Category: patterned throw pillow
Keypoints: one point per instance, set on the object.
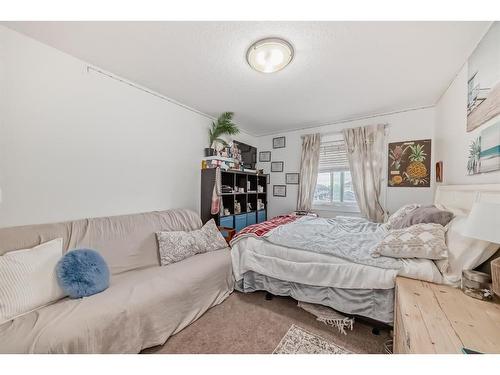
(178, 245)
(422, 215)
(397, 216)
(418, 241)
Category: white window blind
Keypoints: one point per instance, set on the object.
(333, 156)
(334, 190)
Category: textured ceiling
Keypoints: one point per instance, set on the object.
(341, 70)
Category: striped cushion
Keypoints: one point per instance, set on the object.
(28, 279)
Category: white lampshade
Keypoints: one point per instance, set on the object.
(483, 222)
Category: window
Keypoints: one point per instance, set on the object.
(334, 188)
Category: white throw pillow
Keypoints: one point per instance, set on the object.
(426, 241)
(175, 246)
(397, 216)
(464, 253)
(28, 279)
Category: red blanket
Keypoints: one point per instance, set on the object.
(260, 229)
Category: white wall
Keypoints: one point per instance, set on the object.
(76, 144)
(410, 125)
(452, 139)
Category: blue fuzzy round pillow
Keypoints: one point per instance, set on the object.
(82, 273)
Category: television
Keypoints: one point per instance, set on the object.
(248, 154)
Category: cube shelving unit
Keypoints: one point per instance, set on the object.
(237, 180)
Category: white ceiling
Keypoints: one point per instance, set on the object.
(341, 70)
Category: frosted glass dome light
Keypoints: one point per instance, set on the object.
(269, 55)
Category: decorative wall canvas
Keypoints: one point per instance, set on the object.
(483, 97)
(409, 164)
(484, 151)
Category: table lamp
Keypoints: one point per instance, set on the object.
(483, 223)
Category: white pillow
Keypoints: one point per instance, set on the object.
(425, 241)
(28, 279)
(464, 253)
(397, 216)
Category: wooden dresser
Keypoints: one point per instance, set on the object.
(432, 318)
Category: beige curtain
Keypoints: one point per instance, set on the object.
(365, 152)
(308, 170)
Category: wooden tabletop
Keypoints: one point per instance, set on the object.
(442, 319)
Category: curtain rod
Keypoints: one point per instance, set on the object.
(386, 126)
(142, 88)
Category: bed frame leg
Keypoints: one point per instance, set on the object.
(269, 296)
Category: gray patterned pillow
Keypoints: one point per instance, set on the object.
(422, 215)
(397, 216)
(418, 241)
(178, 245)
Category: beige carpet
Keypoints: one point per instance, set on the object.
(247, 323)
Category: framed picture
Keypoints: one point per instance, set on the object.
(277, 166)
(439, 171)
(483, 83)
(484, 151)
(268, 178)
(409, 164)
(279, 142)
(292, 178)
(279, 190)
(265, 156)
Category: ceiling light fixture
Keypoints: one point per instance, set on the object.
(270, 55)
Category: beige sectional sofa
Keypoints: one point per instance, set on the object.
(145, 303)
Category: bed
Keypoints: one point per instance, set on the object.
(318, 260)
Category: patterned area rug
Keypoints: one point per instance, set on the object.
(299, 341)
(328, 316)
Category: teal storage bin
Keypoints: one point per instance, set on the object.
(227, 221)
(240, 222)
(251, 218)
(261, 216)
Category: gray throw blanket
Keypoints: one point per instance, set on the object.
(348, 238)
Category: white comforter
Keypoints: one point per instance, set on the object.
(319, 269)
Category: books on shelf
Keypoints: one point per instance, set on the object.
(226, 164)
(226, 189)
(208, 164)
(221, 158)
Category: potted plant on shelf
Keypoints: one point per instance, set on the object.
(223, 126)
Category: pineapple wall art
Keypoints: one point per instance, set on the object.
(409, 164)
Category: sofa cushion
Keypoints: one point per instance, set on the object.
(175, 246)
(140, 309)
(82, 273)
(28, 279)
(126, 242)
